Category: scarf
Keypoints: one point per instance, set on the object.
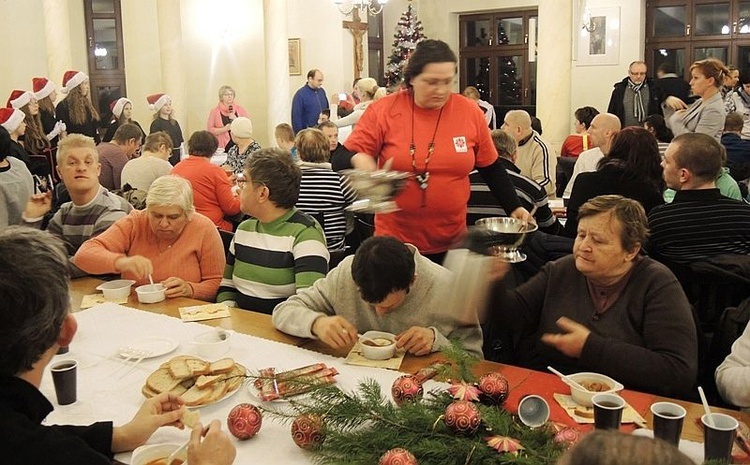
(225, 109)
(638, 111)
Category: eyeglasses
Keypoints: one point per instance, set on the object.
(242, 182)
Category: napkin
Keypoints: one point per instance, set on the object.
(90, 300)
(355, 357)
(204, 312)
(629, 415)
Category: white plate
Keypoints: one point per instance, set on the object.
(154, 346)
(224, 397)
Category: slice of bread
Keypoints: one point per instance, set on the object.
(191, 417)
(179, 368)
(195, 396)
(161, 381)
(236, 377)
(205, 381)
(179, 390)
(148, 392)
(225, 365)
(198, 367)
(219, 389)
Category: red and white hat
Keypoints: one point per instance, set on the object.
(117, 105)
(72, 79)
(19, 98)
(42, 87)
(156, 101)
(10, 118)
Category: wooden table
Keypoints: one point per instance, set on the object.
(522, 381)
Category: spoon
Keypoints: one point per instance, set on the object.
(177, 452)
(706, 408)
(567, 379)
(151, 280)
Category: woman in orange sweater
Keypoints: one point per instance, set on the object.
(168, 240)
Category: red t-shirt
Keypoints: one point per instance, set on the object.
(575, 144)
(434, 218)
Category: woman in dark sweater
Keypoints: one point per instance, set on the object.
(161, 104)
(631, 169)
(77, 111)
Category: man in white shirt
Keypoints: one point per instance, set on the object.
(603, 128)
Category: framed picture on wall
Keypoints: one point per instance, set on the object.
(295, 57)
(599, 40)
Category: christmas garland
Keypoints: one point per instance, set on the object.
(462, 425)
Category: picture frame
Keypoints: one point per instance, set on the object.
(599, 36)
(295, 57)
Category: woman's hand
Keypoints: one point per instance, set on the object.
(571, 341)
(210, 446)
(138, 265)
(177, 287)
(416, 340)
(675, 103)
(164, 409)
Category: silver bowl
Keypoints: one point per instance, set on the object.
(504, 235)
(376, 189)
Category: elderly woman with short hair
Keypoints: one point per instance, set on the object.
(323, 193)
(168, 241)
(606, 308)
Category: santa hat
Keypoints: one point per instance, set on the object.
(42, 87)
(156, 101)
(72, 79)
(10, 118)
(117, 105)
(19, 98)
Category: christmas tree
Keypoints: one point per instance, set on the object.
(510, 83)
(409, 32)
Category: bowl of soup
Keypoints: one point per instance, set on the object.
(592, 383)
(156, 454)
(378, 345)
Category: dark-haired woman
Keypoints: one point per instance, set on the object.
(438, 136)
(579, 142)
(632, 168)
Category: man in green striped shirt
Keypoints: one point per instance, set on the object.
(279, 249)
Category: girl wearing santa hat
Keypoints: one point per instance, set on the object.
(122, 112)
(13, 121)
(77, 111)
(161, 105)
(45, 92)
(34, 140)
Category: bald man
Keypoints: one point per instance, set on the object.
(603, 128)
(536, 157)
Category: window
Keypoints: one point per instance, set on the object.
(375, 48)
(680, 32)
(105, 54)
(495, 58)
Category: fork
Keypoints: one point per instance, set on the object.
(141, 354)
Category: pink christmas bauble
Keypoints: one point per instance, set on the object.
(308, 431)
(406, 388)
(398, 456)
(568, 436)
(495, 388)
(462, 416)
(244, 421)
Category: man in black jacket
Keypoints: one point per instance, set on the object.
(635, 97)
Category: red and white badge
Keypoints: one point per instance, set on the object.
(460, 144)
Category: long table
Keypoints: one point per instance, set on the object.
(522, 381)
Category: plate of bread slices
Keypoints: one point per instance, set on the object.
(198, 382)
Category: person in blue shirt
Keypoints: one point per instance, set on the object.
(309, 102)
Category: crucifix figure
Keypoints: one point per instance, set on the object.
(358, 30)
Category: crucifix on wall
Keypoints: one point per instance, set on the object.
(358, 30)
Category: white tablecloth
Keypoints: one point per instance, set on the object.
(102, 395)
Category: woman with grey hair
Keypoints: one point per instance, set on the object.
(221, 116)
(168, 241)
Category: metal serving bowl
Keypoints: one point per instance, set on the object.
(376, 189)
(504, 235)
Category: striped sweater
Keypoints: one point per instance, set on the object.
(324, 194)
(75, 224)
(268, 262)
(699, 224)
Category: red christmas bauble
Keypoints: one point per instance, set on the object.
(495, 388)
(462, 416)
(244, 421)
(406, 388)
(568, 436)
(398, 456)
(308, 431)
